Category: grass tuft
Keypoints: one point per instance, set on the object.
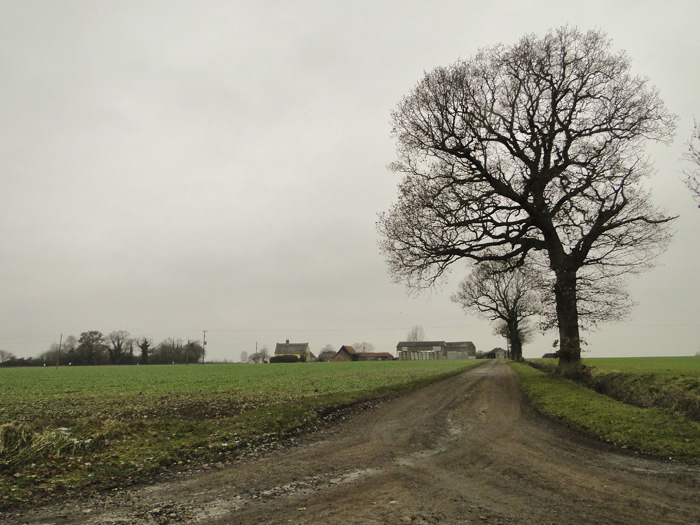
(20, 444)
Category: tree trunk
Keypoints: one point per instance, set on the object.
(516, 344)
(567, 317)
(516, 349)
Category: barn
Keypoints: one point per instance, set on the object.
(428, 350)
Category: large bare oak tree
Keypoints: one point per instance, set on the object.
(535, 147)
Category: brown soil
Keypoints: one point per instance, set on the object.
(464, 450)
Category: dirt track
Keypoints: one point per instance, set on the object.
(465, 450)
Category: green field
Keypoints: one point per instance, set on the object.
(659, 366)
(76, 427)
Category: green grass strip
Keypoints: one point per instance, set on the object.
(652, 431)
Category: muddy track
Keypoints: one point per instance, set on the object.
(464, 450)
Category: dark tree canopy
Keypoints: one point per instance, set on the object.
(525, 149)
(91, 349)
(118, 343)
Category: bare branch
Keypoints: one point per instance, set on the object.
(692, 155)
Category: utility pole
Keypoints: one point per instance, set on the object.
(204, 344)
(58, 354)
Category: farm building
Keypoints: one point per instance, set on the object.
(292, 353)
(427, 350)
(348, 353)
(496, 353)
(375, 356)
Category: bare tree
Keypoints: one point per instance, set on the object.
(692, 155)
(416, 334)
(327, 352)
(6, 356)
(61, 353)
(510, 296)
(524, 335)
(535, 147)
(261, 355)
(118, 343)
(244, 356)
(169, 350)
(68, 350)
(363, 347)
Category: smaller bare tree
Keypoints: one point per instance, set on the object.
(416, 334)
(260, 356)
(498, 293)
(363, 347)
(524, 334)
(6, 356)
(327, 352)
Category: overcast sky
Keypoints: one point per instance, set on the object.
(173, 167)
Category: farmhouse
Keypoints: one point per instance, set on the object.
(427, 350)
(292, 353)
(348, 353)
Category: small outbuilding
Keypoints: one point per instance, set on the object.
(496, 353)
(348, 353)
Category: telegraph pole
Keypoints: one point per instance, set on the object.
(58, 354)
(204, 344)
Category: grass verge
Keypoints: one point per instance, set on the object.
(671, 383)
(653, 431)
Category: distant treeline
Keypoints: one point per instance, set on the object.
(115, 348)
